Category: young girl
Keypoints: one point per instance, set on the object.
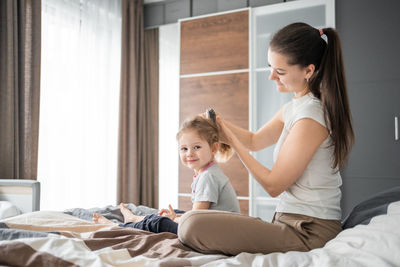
(199, 148)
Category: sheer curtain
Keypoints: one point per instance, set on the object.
(80, 85)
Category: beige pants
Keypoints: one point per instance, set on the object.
(210, 231)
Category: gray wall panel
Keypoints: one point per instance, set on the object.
(153, 15)
(375, 153)
(370, 34)
(256, 3)
(225, 5)
(175, 10)
(370, 50)
(202, 7)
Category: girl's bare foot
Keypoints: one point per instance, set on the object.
(97, 218)
(128, 215)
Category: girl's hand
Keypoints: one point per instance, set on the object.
(170, 213)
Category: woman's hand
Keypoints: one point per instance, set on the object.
(170, 213)
(226, 135)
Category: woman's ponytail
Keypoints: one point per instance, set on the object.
(334, 98)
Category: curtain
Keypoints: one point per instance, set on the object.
(138, 131)
(78, 138)
(20, 37)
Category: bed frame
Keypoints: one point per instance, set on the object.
(25, 194)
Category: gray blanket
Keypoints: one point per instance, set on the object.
(112, 213)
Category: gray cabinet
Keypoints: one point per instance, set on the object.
(371, 56)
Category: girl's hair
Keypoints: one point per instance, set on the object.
(304, 45)
(209, 131)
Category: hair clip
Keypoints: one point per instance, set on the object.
(210, 114)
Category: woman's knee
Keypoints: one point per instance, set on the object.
(190, 227)
(203, 229)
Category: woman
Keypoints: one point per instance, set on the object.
(313, 136)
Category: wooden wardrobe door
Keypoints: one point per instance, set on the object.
(208, 45)
(216, 43)
(228, 95)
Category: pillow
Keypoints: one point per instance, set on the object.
(7, 209)
(375, 205)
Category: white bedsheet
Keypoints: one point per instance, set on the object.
(374, 245)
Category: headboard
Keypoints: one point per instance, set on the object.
(25, 194)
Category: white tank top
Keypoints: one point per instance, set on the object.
(317, 192)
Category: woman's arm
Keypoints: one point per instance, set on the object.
(296, 152)
(264, 137)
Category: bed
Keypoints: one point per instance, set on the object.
(18, 196)
(52, 238)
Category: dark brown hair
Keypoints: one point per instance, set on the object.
(304, 45)
(209, 131)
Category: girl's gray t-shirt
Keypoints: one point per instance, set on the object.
(212, 185)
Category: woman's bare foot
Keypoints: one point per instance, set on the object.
(128, 215)
(97, 218)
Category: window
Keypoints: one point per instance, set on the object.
(80, 85)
